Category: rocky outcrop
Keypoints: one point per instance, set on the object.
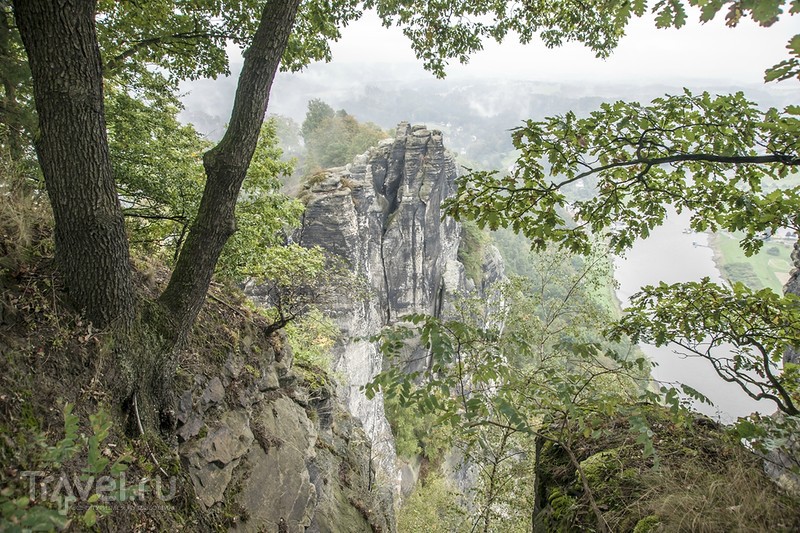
(383, 215)
(261, 453)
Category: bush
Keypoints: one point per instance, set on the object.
(312, 337)
(471, 250)
(742, 272)
(20, 513)
(432, 508)
(416, 433)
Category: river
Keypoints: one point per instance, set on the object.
(672, 254)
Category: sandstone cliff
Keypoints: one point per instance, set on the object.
(264, 452)
(382, 214)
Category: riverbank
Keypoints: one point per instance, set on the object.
(716, 252)
(674, 254)
(769, 268)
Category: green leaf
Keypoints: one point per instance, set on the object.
(90, 517)
(794, 45)
(766, 12)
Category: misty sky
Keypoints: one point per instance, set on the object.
(646, 54)
(702, 57)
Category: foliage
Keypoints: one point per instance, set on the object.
(17, 515)
(289, 135)
(16, 114)
(742, 332)
(311, 337)
(558, 301)
(295, 280)
(416, 433)
(318, 112)
(494, 409)
(157, 163)
(544, 372)
(20, 513)
(763, 12)
(23, 514)
(699, 153)
(432, 508)
(334, 138)
(188, 40)
(515, 249)
(471, 250)
(720, 157)
(160, 178)
(264, 216)
(456, 29)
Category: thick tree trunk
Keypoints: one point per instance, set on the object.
(91, 246)
(226, 167)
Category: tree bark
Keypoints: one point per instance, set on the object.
(91, 245)
(226, 167)
(540, 488)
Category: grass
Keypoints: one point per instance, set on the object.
(768, 268)
(704, 480)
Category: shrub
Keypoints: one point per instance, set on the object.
(471, 250)
(432, 508)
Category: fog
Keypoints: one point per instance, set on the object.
(648, 62)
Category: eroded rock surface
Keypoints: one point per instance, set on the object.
(383, 214)
(259, 452)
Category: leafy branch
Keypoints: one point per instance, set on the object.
(708, 321)
(712, 155)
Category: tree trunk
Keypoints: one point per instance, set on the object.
(540, 488)
(91, 246)
(226, 167)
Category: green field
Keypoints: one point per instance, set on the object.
(769, 268)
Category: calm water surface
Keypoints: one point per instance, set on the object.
(672, 254)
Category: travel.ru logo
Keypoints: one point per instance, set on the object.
(83, 490)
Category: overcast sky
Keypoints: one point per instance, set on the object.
(646, 54)
(702, 57)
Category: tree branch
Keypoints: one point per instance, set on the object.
(117, 61)
(679, 158)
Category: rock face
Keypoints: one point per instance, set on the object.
(258, 451)
(264, 451)
(383, 215)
